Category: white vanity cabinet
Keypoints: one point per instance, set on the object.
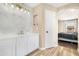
(7, 47)
(33, 43)
(30, 44)
(26, 44)
(21, 46)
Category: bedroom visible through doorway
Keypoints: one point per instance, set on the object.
(68, 33)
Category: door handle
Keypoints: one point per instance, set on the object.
(46, 31)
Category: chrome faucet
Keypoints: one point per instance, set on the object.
(21, 32)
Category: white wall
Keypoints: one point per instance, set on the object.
(63, 25)
(66, 14)
(13, 20)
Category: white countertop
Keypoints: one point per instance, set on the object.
(5, 36)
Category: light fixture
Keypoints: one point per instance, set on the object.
(21, 9)
(17, 8)
(12, 5)
(28, 13)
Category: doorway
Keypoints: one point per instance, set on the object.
(68, 33)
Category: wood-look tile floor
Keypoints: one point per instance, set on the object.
(57, 51)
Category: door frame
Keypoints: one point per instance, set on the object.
(78, 34)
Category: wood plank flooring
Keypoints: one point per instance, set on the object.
(57, 51)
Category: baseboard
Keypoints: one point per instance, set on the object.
(78, 49)
(47, 48)
(42, 48)
(32, 52)
(56, 45)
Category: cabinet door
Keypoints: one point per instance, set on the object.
(7, 47)
(36, 41)
(31, 44)
(26, 44)
(22, 47)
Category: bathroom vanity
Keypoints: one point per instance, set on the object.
(18, 45)
(15, 21)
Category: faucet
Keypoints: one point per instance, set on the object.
(21, 32)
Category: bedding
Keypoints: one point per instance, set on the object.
(70, 36)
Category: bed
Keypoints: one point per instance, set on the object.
(70, 37)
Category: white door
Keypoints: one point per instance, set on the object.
(50, 28)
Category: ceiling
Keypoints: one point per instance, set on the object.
(31, 5)
(57, 5)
